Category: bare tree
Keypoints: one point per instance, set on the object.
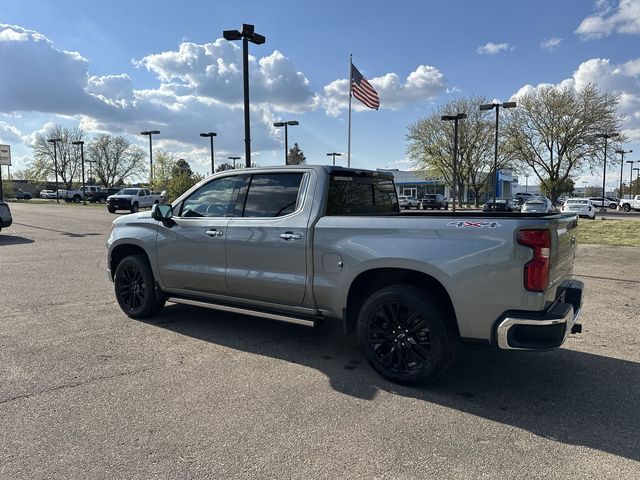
(68, 162)
(553, 131)
(115, 159)
(431, 145)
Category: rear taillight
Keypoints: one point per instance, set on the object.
(536, 270)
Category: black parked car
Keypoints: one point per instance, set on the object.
(500, 205)
(433, 201)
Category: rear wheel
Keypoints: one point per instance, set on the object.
(111, 210)
(135, 288)
(134, 207)
(626, 207)
(76, 199)
(405, 335)
(100, 200)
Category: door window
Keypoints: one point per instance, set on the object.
(214, 199)
(272, 194)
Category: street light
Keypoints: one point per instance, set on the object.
(455, 119)
(491, 106)
(334, 155)
(622, 152)
(234, 161)
(81, 143)
(210, 135)
(606, 137)
(150, 134)
(55, 142)
(630, 162)
(286, 137)
(247, 35)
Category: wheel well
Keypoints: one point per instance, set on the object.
(371, 281)
(122, 251)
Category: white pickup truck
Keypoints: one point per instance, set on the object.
(132, 199)
(626, 204)
(76, 195)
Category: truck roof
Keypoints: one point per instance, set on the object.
(326, 168)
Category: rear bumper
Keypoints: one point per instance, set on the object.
(542, 330)
(6, 223)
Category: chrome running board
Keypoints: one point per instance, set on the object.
(244, 311)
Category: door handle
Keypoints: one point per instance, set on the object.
(291, 236)
(214, 233)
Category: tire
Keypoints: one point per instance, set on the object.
(423, 351)
(27, 197)
(111, 210)
(135, 288)
(626, 207)
(134, 207)
(101, 200)
(613, 206)
(76, 199)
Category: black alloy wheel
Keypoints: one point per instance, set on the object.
(405, 336)
(135, 288)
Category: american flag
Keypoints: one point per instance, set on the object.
(362, 89)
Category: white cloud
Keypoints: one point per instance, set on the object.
(9, 134)
(625, 18)
(494, 48)
(423, 84)
(551, 44)
(606, 76)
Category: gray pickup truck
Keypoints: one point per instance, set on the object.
(307, 243)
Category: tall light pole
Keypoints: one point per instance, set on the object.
(210, 135)
(622, 152)
(55, 142)
(234, 161)
(150, 134)
(455, 119)
(606, 137)
(84, 193)
(247, 35)
(334, 155)
(631, 162)
(491, 106)
(286, 137)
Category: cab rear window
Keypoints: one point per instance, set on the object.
(351, 193)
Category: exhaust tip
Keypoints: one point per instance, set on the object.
(577, 328)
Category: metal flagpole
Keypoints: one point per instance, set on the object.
(349, 140)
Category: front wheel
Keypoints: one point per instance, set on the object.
(405, 334)
(626, 207)
(111, 210)
(135, 288)
(100, 200)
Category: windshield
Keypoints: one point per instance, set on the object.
(128, 191)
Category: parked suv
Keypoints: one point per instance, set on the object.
(434, 201)
(22, 195)
(609, 202)
(408, 202)
(5, 215)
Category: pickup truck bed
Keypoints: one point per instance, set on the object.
(302, 244)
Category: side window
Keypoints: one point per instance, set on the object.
(214, 199)
(272, 194)
(146, 192)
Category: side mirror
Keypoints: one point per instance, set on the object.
(161, 212)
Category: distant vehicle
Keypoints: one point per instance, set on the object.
(582, 206)
(47, 194)
(76, 195)
(22, 195)
(609, 202)
(500, 205)
(132, 199)
(630, 204)
(101, 195)
(538, 205)
(408, 202)
(5, 215)
(434, 201)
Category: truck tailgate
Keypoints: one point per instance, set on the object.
(563, 251)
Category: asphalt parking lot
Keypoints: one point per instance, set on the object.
(86, 392)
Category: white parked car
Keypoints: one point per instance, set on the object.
(538, 205)
(408, 202)
(47, 194)
(582, 206)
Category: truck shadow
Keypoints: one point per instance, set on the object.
(571, 397)
(14, 240)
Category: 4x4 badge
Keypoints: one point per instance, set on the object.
(467, 224)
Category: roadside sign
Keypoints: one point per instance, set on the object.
(5, 155)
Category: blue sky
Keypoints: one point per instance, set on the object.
(145, 64)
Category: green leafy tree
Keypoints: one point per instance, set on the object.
(566, 188)
(296, 156)
(180, 183)
(163, 164)
(221, 167)
(553, 131)
(181, 165)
